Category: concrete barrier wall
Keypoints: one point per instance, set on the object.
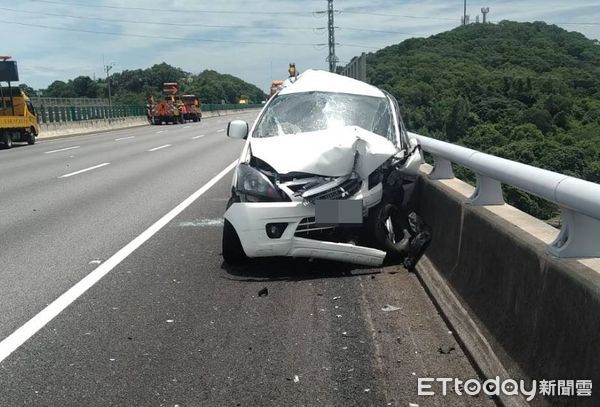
(48, 130)
(60, 129)
(542, 313)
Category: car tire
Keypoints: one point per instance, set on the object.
(7, 140)
(233, 252)
(31, 138)
(390, 230)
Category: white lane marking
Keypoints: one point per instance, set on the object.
(197, 137)
(84, 170)
(158, 148)
(124, 138)
(13, 341)
(62, 149)
(220, 131)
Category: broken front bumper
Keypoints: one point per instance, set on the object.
(250, 222)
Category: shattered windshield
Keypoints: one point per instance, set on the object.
(313, 111)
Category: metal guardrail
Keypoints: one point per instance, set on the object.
(54, 114)
(59, 113)
(579, 200)
(47, 101)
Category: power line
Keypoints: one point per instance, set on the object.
(162, 37)
(176, 24)
(111, 20)
(367, 13)
(152, 36)
(378, 31)
(187, 10)
(300, 13)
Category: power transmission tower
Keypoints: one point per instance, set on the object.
(332, 59)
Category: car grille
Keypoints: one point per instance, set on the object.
(307, 226)
(346, 190)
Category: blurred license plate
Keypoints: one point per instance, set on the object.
(343, 212)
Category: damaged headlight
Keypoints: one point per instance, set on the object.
(252, 182)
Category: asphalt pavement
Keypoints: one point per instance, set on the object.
(160, 320)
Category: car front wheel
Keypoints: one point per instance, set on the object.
(233, 252)
(389, 228)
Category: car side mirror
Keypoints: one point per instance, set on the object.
(238, 129)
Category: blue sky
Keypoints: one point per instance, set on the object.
(61, 39)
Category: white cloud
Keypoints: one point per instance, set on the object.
(45, 54)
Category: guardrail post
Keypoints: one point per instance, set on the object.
(579, 236)
(442, 168)
(487, 192)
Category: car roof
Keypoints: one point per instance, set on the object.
(323, 81)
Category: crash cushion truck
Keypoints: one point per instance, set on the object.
(18, 121)
(192, 108)
(168, 108)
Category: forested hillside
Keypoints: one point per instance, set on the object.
(135, 86)
(525, 91)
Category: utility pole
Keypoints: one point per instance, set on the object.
(465, 14)
(331, 28)
(107, 68)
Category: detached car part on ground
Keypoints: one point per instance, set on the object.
(327, 172)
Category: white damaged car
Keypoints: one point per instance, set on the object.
(325, 173)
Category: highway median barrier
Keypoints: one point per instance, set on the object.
(67, 128)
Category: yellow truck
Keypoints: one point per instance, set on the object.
(18, 121)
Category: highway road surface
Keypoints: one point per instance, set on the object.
(113, 291)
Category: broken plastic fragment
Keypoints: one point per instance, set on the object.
(296, 378)
(419, 241)
(388, 308)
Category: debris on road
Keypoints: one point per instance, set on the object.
(263, 292)
(444, 350)
(170, 320)
(296, 378)
(337, 298)
(419, 240)
(389, 308)
(95, 261)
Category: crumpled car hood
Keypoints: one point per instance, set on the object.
(329, 153)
